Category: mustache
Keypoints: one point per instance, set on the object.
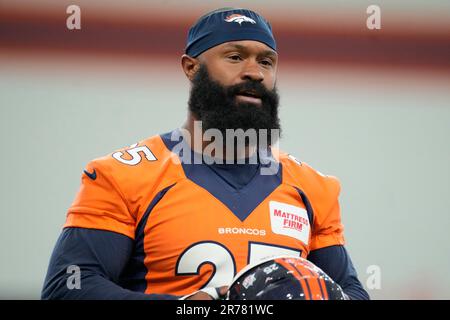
(256, 89)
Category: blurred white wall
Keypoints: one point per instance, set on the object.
(383, 132)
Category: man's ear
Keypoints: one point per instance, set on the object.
(190, 66)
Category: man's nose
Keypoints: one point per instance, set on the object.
(252, 71)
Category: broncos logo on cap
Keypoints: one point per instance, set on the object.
(239, 18)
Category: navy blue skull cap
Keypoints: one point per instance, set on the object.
(228, 24)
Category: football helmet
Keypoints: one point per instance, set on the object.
(284, 278)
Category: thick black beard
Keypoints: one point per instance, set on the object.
(216, 105)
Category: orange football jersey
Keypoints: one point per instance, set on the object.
(191, 229)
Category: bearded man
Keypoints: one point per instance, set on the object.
(179, 215)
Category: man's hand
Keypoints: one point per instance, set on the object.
(202, 295)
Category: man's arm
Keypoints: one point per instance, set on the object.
(335, 261)
(101, 257)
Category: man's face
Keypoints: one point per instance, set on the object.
(232, 63)
(235, 87)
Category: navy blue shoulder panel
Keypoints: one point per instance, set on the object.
(133, 277)
(169, 141)
(309, 209)
(242, 201)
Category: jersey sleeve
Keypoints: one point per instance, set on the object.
(99, 203)
(327, 225)
(101, 256)
(335, 261)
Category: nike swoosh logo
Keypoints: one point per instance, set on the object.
(92, 175)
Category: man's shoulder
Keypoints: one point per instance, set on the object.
(137, 162)
(302, 174)
(132, 155)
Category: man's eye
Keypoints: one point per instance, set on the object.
(267, 62)
(235, 57)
